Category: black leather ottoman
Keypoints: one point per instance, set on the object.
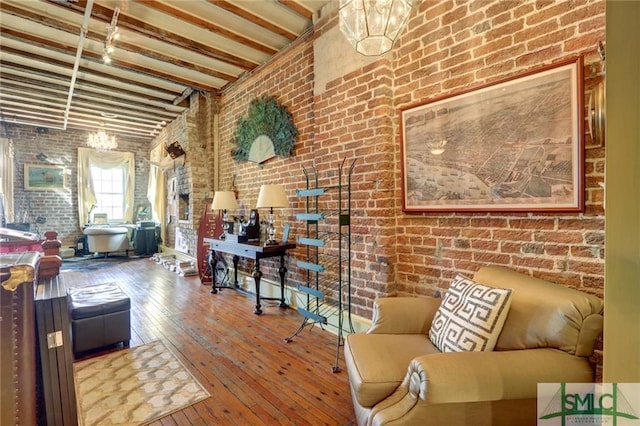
(100, 316)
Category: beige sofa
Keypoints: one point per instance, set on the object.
(398, 377)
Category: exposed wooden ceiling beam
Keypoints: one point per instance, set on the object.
(51, 119)
(24, 12)
(94, 72)
(12, 97)
(168, 50)
(122, 107)
(230, 7)
(208, 25)
(137, 26)
(297, 8)
(87, 84)
(47, 43)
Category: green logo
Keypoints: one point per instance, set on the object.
(587, 403)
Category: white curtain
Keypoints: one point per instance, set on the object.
(106, 160)
(6, 175)
(155, 195)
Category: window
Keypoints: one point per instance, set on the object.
(108, 185)
(97, 171)
(6, 181)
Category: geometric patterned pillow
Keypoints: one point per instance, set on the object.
(470, 317)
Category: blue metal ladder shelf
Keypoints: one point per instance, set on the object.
(327, 263)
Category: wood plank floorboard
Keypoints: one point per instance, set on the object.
(253, 375)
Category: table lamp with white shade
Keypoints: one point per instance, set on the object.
(272, 196)
(224, 200)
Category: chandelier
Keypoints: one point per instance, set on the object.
(372, 26)
(101, 141)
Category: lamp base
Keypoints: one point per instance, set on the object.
(271, 243)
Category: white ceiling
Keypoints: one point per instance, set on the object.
(167, 49)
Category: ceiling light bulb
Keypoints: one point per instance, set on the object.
(106, 59)
(116, 33)
(110, 49)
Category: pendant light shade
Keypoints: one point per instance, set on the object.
(372, 26)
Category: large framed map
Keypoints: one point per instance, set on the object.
(512, 145)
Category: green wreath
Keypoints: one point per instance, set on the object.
(265, 131)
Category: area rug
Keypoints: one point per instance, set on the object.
(134, 386)
(92, 263)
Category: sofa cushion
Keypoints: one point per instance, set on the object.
(377, 363)
(470, 317)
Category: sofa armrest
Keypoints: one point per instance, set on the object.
(403, 315)
(447, 379)
(490, 376)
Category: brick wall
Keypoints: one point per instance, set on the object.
(448, 46)
(290, 80)
(60, 208)
(194, 172)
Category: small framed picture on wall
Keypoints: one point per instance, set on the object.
(41, 177)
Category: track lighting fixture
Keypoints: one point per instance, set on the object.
(112, 35)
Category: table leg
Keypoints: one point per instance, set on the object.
(282, 270)
(236, 258)
(257, 275)
(212, 267)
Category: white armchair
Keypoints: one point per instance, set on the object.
(108, 239)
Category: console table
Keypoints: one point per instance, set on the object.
(250, 250)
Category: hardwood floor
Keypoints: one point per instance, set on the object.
(254, 376)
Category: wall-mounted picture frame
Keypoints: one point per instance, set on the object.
(285, 233)
(41, 177)
(512, 145)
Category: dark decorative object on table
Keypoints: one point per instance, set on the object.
(250, 229)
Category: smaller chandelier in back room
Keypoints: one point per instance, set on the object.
(101, 141)
(372, 26)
